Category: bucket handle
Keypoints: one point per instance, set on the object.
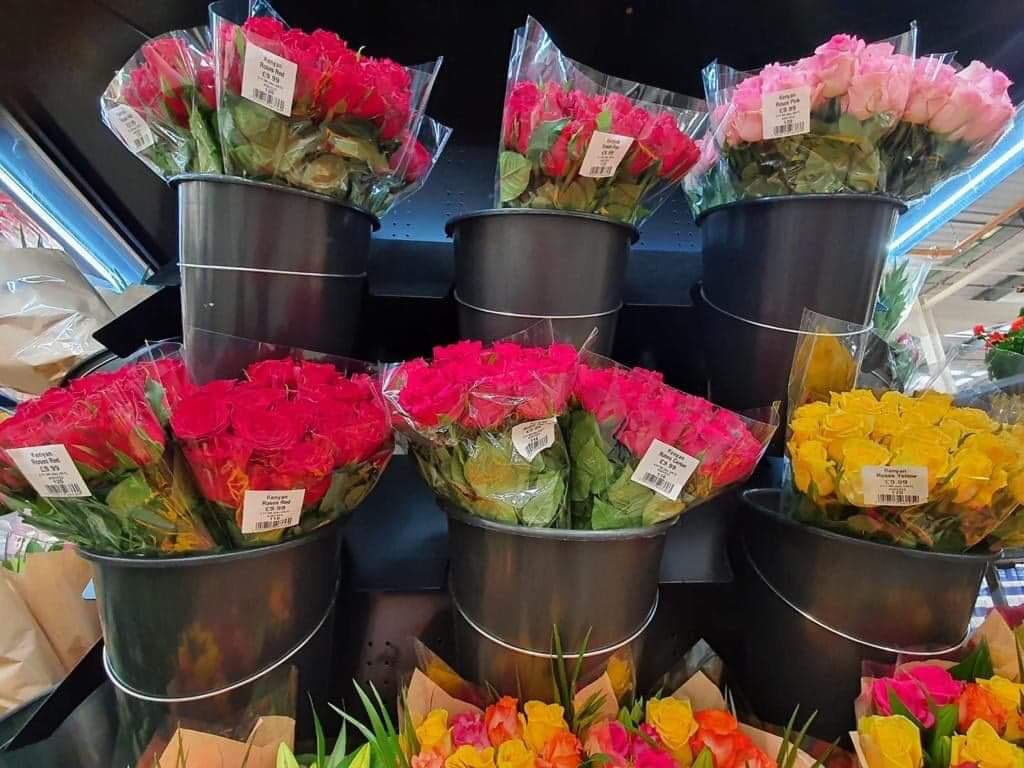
(534, 317)
(540, 654)
(223, 268)
(846, 635)
(136, 694)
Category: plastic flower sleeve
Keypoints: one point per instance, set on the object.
(307, 111)
(160, 105)
(575, 139)
(287, 442)
(811, 126)
(642, 452)
(93, 463)
(483, 428)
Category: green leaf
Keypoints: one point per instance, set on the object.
(899, 708)
(285, 757)
(514, 175)
(940, 743)
(321, 743)
(604, 120)
(974, 666)
(543, 507)
(129, 495)
(544, 137)
(157, 399)
(705, 759)
(571, 198)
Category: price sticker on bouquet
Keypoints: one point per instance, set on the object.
(50, 471)
(268, 79)
(786, 113)
(532, 437)
(604, 154)
(264, 511)
(665, 469)
(131, 128)
(895, 486)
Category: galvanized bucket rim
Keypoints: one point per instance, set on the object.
(749, 498)
(874, 197)
(219, 178)
(210, 558)
(560, 534)
(452, 223)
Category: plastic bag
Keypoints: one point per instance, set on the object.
(161, 105)
(574, 139)
(929, 471)
(952, 119)
(642, 452)
(307, 111)
(812, 126)
(482, 423)
(92, 464)
(296, 441)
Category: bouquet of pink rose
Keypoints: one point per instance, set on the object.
(813, 126)
(574, 139)
(295, 444)
(642, 452)
(306, 110)
(482, 423)
(162, 105)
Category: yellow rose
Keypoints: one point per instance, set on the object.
(840, 425)
(1009, 694)
(673, 720)
(890, 742)
(930, 407)
(803, 429)
(925, 435)
(815, 411)
(886, 426)
(937, 399)
(433, 733)
(811, 465)
(974, 419)
(996, 447)
(934, 457)
(471, 757)
(983, 747)
(861, 401)
(1016, 487)
(953, 429)
(515, 754)
(975, 479)
(542, 721)
(621, 673)
(893, 401)
(858, 453)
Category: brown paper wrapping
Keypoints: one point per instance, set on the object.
(28, 665)
(204, 750)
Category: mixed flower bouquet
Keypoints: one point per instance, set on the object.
(642, 452)
(307, 110)
(93, 464)
(1004, 350)
(162, 105)
(574, 139)
(482, 423)
(292, 446)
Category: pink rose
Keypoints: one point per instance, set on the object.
(932, 85)
(744, 113)
(610, 739)
(646, 756)
(936, 681)
(468, 729)
(835, 62)
(880, 84)
(910, 694)
(991, 99)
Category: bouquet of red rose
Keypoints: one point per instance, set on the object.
(92, 463)
(293, 445)
(306, 110)
(574, 139)
(642, 452)
(162, 105)
(483, 427)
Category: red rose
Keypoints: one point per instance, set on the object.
(519, 116)
(1017, 324)
(266, 430)
(217, 387)
(277, 373)
(429, 396)
(230, 60)
(219, 467)
(170, 59)
(460, 350)
(655, 416)
(307, 464)
(627, 119)
(307, 54)
(310, 373)
(491, 401)
(134, 430)
(263, 30)
(414, 156)
(663, 140)
(357, 432)
(147, 94)
(251, 394)
(206, 81)
(376, 90)
(979, 330)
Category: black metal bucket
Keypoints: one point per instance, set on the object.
(189, 626)
(516, 583)
(767, 259)
(514, 267)
(822, 603)
(267, 262)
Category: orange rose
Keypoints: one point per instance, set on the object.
(716, 721)
(561, 751)
(977, 703)
(501, 720)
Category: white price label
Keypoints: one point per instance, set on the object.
(665, 469)
(131, 128)
(786, 113)
(50, 470)
(264, 511)
(532, 437)
(895, 486)
(604, 153)
(268, 79)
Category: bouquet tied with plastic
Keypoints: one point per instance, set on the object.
(309, 111)
(927, 470)
(482, 424)
(816, 125)
(642, 452)
(162, 105)
(574, 139)
(93, 464)
(297, 441)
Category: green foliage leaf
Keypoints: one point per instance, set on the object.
(513, 174)
(899, 708)
(705, 759)
(544, 137)
(285, 757)
(975, 665)
(604, 120)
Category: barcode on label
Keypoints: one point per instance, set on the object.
(533, 446)
(660, 483)
(788, 129)
(64, 489)
(600, 170)
(269, 525)
(269, 99)
(897, 498)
